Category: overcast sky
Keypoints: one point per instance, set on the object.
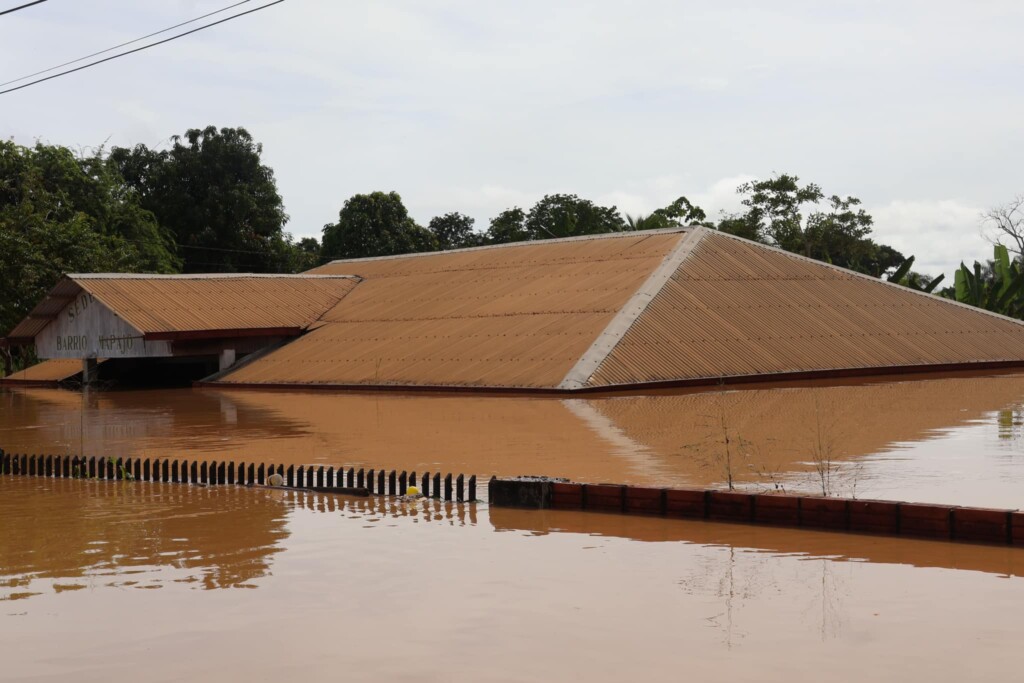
(915, 107)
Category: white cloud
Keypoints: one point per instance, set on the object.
(470, 106)
(940, 234)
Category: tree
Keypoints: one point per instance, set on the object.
(454, 231)
(838, 235)
(61, 213)
(566, 215)
(997, 286)
(375, 224)
(305, 254)
(774, 209)
(1005, 224)
(212, 191)
(556, 215)
(681, 212)
(508, 226)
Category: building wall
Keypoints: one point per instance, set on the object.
(85, 328)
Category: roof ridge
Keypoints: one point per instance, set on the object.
(608, 339)
(870, 278)
(509, 245)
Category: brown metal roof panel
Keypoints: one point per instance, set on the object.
(163, 304)
(734, 308)
(524, 351)
(47, 371)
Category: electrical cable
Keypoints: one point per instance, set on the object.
(130, 42)
(15, 9)
(139, 49)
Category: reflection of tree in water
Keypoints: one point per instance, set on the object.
(736, 577)
(116, 533)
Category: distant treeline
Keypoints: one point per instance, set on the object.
(209, 204)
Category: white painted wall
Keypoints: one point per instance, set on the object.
(88, 329)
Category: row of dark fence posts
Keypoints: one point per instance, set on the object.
(380, 482)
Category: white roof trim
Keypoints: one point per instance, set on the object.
(589, 362)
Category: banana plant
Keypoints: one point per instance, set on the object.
(904, 276)
(1001, 290)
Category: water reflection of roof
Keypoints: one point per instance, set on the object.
(670, 439)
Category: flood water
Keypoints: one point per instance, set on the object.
(951, 440)
(125, 581)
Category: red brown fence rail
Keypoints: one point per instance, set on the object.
(890, 518)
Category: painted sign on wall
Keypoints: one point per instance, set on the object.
(88, 329)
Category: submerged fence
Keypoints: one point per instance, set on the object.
(215, 473)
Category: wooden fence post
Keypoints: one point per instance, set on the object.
(437, 484)
(403, 480)
(392, 482)
(369, 481)
(425, 488)
(472, 488)
(222, 475)
(360, 478)
(351, 477)
(380, 482)
(448, 486)
(320, 476)
(291, 475)
(460, 494)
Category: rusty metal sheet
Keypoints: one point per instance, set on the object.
(183, 303)
(512, 316)
(48, 371)
(735, 308)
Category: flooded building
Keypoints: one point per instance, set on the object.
(687, 306)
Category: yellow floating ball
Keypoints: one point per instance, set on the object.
(412, 491)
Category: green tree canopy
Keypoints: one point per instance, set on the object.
(508, 226)
(374, 224)
(213, 192)
(839, 234)
(454, 231)
(556, 215)
(64, 213)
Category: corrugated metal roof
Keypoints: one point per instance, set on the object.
(55, 370)
(735, 308)
(514, 316)
(182, 303)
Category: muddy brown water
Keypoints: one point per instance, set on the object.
(124, 581)
(951, 440)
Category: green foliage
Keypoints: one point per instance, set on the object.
(375, 224)
(508, 226)
(63, 213)
(838, 235)
(555, 215)
(454, 231)
(566, 215)
(997, 287)
(903, 275)
(677, 214)
(212, 191)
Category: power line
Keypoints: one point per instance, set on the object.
(130, 42)
(15, 9)
(139, 49)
